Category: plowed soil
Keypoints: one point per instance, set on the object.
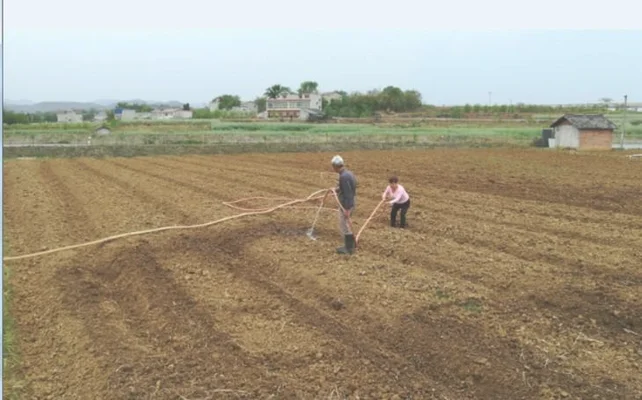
(519, 277)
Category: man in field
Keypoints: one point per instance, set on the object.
(346, 191)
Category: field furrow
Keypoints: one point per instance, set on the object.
(137, 201)
(237, 181)
(286, 177)
(386, 371)
(26, 196)
(518, 278)
(66, 198)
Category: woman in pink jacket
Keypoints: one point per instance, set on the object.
(399, 201)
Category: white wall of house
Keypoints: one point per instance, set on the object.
(247, 107)
(250, 106)
(128, 115)
(214, 105)
(316, 102)
(183, 114)
(171, 113)
(167, 113)
(101, 116)
(144, 115)
(69, 116)
(294, 102)
(567, 136)
(161, 114)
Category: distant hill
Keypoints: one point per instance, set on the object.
(52, 106)
(112, 103)
(19, 102)
(171, 103)
(25, 106)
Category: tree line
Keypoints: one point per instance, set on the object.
(508, 109)
(395, 100)
(12, 117)
(390, 99)
(348, 105)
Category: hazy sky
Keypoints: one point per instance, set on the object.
(192, 51)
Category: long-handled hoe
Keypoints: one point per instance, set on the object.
(310, 232)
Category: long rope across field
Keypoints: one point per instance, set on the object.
(248, 212)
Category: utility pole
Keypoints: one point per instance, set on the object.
(623, 124)
(489, 97)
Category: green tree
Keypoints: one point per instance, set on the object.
(275, 91)
(456, 112)
(49, 117)
(228, 101)
(391, 98)
(202, 113)
(412, 100)
(10, 118)
(308, 87)
(135, 106)
(365, 105)
(186, 107)
(261, 103)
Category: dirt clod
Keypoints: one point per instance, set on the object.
(337, 304)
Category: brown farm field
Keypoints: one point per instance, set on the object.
(519, 278)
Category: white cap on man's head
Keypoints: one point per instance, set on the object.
(337, 160)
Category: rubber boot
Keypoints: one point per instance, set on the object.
(343, 249)
(348, 248)
(351, 243)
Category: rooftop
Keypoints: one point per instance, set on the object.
(586, 121)
(293, 97)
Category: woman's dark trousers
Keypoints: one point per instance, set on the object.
(395, 209)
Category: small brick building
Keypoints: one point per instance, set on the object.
(583, 132)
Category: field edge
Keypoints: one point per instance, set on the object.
(10, 353)
(101, 151)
